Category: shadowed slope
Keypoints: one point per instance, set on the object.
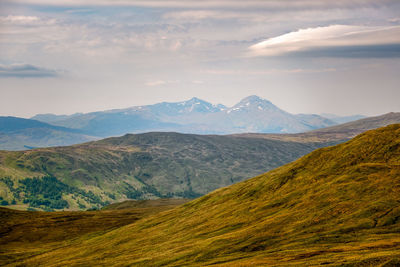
(337, 205)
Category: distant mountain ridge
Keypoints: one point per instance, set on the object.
(252, 114)
(20, 134)
(336, 133)
(342, 119)
(9, 124)
(341, 132)
(195, 116)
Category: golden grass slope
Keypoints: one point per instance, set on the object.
(146, 203)
(26, 233)
(337, 206)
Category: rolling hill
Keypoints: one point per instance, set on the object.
(142, 166)
(337, 206)
(21, 134)
(337, 133)
(342, 119)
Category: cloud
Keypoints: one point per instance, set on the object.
(25, 71)
(234, 4)
(394, 20)
(334, 40)
(160, 82)
(22, 20)
(191, 14)
(266, 72)
(19, 19)
(197, 15)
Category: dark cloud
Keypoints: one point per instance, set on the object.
(370, 51)
(25, 71)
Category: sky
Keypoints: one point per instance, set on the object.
(305, 56)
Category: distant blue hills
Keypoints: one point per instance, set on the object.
(252, 114)
(20, 134)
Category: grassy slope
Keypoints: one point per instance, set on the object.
(24, 234)
(129, 204)
(336, 206)
(175, 165)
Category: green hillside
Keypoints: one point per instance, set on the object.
(337, 206)
(143, 166)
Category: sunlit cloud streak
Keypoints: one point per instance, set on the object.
(332, 40)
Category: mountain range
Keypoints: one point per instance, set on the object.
(337, 206)
(252, 114)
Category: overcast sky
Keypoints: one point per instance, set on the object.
(305, 56)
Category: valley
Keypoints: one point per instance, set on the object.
(337, 206)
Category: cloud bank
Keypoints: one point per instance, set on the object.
(25, 71)
(334, 40)
(234, 4)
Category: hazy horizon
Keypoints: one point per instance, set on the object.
(215, 104)
(305, 56)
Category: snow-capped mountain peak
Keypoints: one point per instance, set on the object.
(253, 103)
